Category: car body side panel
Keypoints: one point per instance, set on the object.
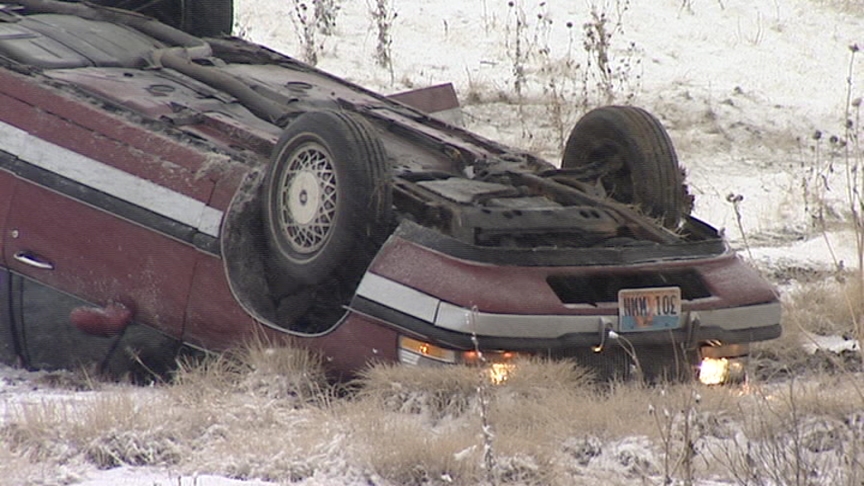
(41, 319)
(216, 321)
(356, 342)
(7, 187)
(213, 318)
(7, 343)
(82, 127)
(100, 257)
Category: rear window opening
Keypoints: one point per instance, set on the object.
(594, 289)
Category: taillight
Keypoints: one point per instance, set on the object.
(500, 364)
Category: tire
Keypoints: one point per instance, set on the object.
(327, 201)
(636, 159)
(201, 18)
(207, 18)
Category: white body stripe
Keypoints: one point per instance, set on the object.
(455, 318)
(399, 297)
(110, 180)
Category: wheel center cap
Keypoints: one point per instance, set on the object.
(304, 197)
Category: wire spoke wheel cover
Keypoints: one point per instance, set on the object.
(308, 198)
(327, 201)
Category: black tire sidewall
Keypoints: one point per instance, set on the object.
(207, 18)
(202, 18)
(655, 178)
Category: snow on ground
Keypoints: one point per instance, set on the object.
(742, 87)
(132, 476)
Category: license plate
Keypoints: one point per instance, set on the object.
(649, 309)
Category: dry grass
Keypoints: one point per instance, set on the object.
(106, 430)
(268, 413)
(258, 368)
(220, 415)
(419, 425)
(806, 432)
(831, 306)
(551, 423)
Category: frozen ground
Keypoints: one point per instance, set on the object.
(742, 87)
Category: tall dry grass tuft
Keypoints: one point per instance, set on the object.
(426, 424)
(19, 469)
(613, 78)
(326, 11)
(271, 408)
(433, 392)
(259, 368)
(592, 69)
(828, 307)
(404, 449)
(304, 19)
(836, 306)
(107, 430)
(220, 414)
(854, 165)
(816, 313)
(518, 48)
(311, 18)
(418, 425)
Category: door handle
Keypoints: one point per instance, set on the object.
(32, 260)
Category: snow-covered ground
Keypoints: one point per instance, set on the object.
(742, 87)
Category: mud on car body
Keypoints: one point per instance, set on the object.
(160, 190)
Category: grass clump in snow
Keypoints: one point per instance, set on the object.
(258, 412)
(106, 430)
(259, 368)
(797, 432)
(422, 425)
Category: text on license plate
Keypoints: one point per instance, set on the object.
(649, 309)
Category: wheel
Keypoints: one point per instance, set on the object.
(327, 201)
(207, 18)
(202, 18)
(636, 160)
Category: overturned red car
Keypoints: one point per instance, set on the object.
(161, 191)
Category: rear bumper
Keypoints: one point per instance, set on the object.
(434, 293)
(422, 314)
